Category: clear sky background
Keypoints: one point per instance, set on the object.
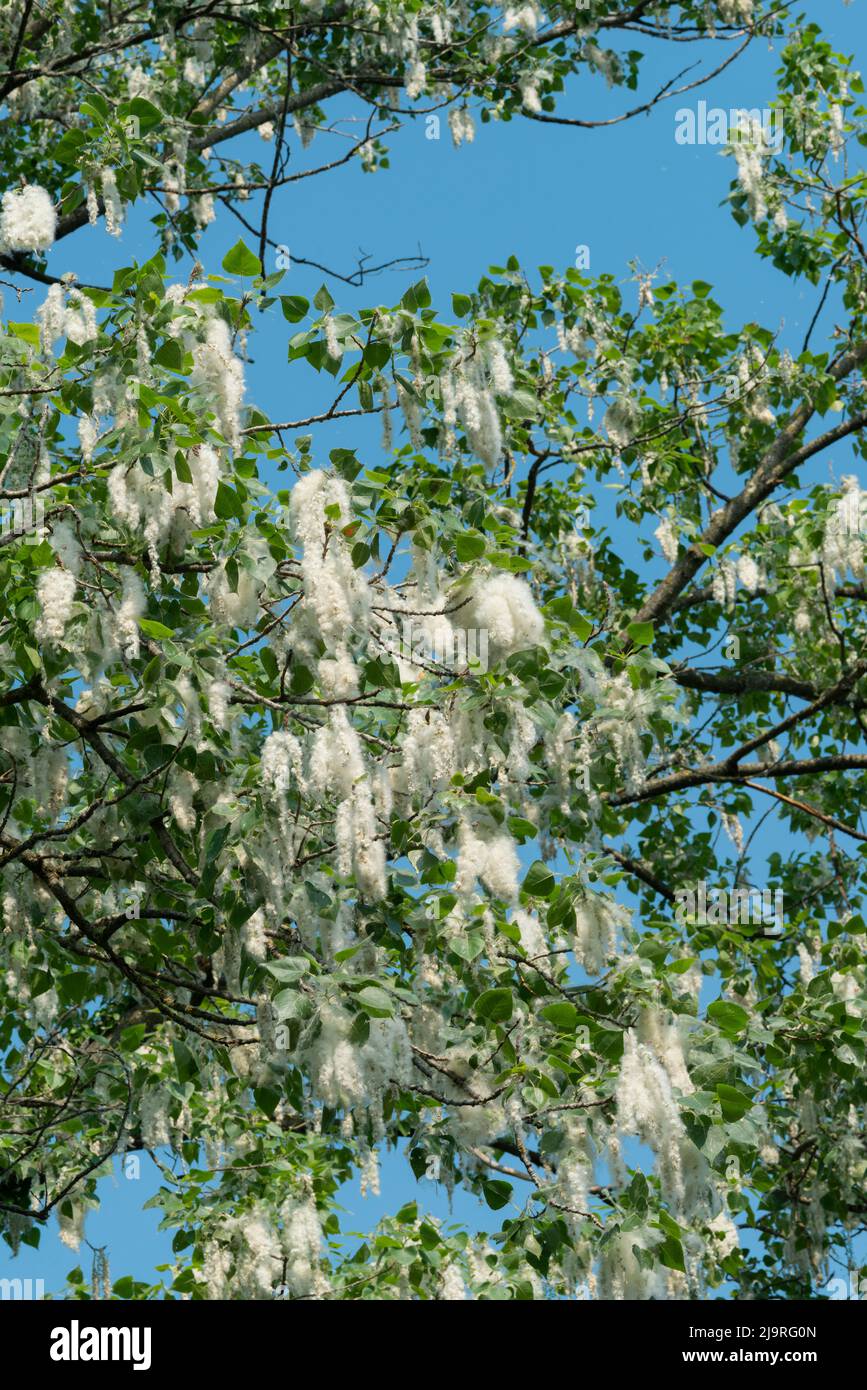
(526, 189)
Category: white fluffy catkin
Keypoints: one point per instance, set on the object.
(502, 606)
(218, 372)
(55, 591)
(28, 221)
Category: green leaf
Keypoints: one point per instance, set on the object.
(27, 332)
(241, 261)
(95, 106)
(565, 611)
(288, 970)
(41, 983)
(671, 1255)
(269, 663)
(669, 1225)
(267, 1099)
(169, 354)
(302, 680)
(730, 1017)
(67, 150)
(294, 307)
(417, 296)
(430, 1237)
(215, 842)
(461, 304)
(734, 1103)
(227, 503)
(376, 355)
(551, 683)
(132, 1038)
(468, 946)
(360, 1030)
(375, 1001)
(148, 115)
(469, 546)
(495, 1005)
(522, 829)
(522, 405)
(151, 628)
(185, 1063)
(539, 882)
(563, 1016)
(640, 634)
(497, 1192)
(182, 468)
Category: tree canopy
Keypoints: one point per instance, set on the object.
(319, 793)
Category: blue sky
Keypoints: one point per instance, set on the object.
(525, 189)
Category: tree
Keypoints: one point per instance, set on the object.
(312, 801)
